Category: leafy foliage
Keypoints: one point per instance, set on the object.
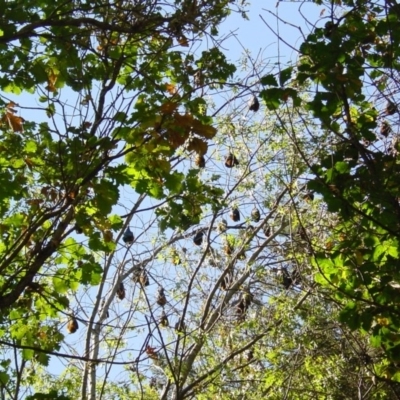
(160, 239)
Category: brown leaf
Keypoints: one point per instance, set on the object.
(35, 202)
(14, 121)
(45, 190)
(199, 146)
(183, 41)
(53, 195)
(150, 351)
(29, 163)
(168, 107)
(107, 236)
(184, 121)
(206, 131)
(176, 139)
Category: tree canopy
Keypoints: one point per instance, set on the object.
(178, 225)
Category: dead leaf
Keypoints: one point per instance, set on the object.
(183, 41)
(45, 190)
(150, 351)
(206, 131)
(29, 163)
(107, 236)
(168, 107)
(198, 145)
(184, 121)
(176, 139)
(35, 202)
(13, 121)
(53, 195)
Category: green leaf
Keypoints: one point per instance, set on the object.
(28, 354)
(342, 167)
(269, 80)
(30, 146)
(285, 75)
(61, 285)
(4, 378)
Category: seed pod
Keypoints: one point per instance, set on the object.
(161, 299)
(301, 231)
(254, 105)
(136, 275)
(153, 383)
(231, 161)
(296, 277)
(249, 231)
(228, 248)
(286, 279)
(255, 214)
(198, 78)
(246, 297)
(72, 325)
(241, 255)
(121, 291)
(267, 230)
(198, 238)
(212, 257)
(107, 236)
(200, 161)
(222, 226)
(234, 214)
(330, 27)
(180, 325)
(128, 236)
(309, 196)
(164, 320)
(385, 129)
(144, 279)
(249, 355)
(391, 108)
(240, 309)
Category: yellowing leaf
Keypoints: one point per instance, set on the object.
(52, 79)
(383, 321)
(171, 88)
